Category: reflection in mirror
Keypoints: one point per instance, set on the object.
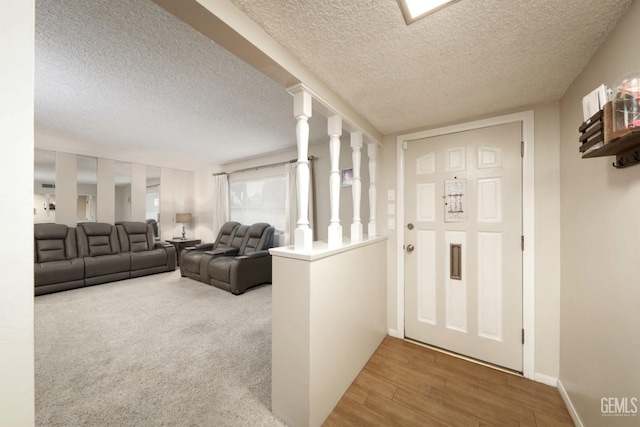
(153, 199)
(44, 188)
(87, 188)
(178, 201)
(123, 191)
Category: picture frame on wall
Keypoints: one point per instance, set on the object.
(346, 177)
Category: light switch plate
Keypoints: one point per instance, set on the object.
(391, 223)
(391, 208)
(391, 195)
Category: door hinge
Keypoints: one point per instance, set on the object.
(522, 149)
(523, 337)
(405, 145)
(522, 243)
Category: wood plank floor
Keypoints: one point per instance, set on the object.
(405, 384)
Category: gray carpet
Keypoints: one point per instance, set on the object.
(160, 350)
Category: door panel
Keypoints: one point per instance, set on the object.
(463, 281)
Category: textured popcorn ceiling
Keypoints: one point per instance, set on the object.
(472, 58)
(129, 77)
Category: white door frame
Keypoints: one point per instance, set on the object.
(528, 296)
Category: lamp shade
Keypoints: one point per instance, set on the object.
(183, 218)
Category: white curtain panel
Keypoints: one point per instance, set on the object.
(291, 209)
(221, 201)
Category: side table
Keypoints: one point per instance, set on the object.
(180, 244)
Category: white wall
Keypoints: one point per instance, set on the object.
(66, 189)
(328, 319)
(16, 213)
(138, 192)
(106, 192)
(122, 205)
(203, 206)
(166, 205)
(547, 226)
(600, 346)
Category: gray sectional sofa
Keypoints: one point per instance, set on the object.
(236, 261)
(93, 253)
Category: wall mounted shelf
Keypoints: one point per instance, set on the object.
(624, 144)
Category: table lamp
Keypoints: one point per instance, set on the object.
(183, 218)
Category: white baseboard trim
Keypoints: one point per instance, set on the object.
(567, 401)
(546, 379)
(393, 333)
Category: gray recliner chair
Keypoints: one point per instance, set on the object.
(104, 259)
(147, 255)
(192, 256)
(250, 267)
(57, 265)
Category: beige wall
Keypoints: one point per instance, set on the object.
(600, 345)
(547, 229)
(106, 211)
(66, 189)
(16, 213)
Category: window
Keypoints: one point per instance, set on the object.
(254, 200)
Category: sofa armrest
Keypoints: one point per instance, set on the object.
(162, 245)
(253, 255)
(222, 251)
(200, 247)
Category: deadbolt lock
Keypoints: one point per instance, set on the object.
(410, 226)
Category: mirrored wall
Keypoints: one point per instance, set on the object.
(44, 188)
(152, 198)
(122, 179)
(124, 191)
(87, 179)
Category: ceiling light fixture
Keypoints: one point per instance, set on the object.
(416, 9)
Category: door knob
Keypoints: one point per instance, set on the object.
(410, 248)
(410, 226)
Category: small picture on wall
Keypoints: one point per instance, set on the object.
(346, 177)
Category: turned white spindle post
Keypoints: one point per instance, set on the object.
(335, 229)
(303, 237)
(372, 152)
(356, 188)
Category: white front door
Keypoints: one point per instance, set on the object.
(463, 257)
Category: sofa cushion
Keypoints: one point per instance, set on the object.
(135, 236)
(107, 264)
(99, 245)
(190, 261)
(220, 268)
(238, 238)
(97, 228)
(226, 234)
(148, 259)
(50, 250)
(58, 271)
(50, 231)
(54, 242)
(138, 243)
(259, 237)
(97, 239)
